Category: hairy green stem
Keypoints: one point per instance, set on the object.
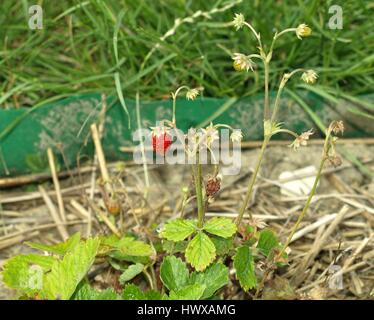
(266, 99)
(199, 192)
(252, 180)
(307, 203)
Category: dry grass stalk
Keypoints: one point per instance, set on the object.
(60, 202)
(54, 214)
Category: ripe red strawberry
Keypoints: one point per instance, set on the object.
(161, 142)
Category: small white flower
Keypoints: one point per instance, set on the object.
(192, 135)
(242, 62)
(238, 21)
(210, 134)
(159, 131)
(192, 94)
(236, 136)
(303, 31)
(309, 76)
(302, 139)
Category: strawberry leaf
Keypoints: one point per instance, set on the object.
(85, 292)
(131, 272)
(200, 251)
(131, 247)
(25, 272)
(245, 268)
(173, 273)
(132, 292)
(65, 275)
(60, 248)
(267, 241)
(178, 230)
(191, 292)
(214, 277)
(222, 227)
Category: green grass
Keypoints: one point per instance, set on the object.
(98, 46)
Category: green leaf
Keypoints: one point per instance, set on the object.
(65, 275)
(127, 246)
(60, 248)
(130, 246)
(214, 278)
(191, 292)
(173, 273)
(200, 251)
(171, 247)
(245, 268)
(131, 272)
(178, 230)
(86, 292)
(223, 246)
(267, 241)
(132, 292)
(222, 227)
(153, 295)
(25, 272)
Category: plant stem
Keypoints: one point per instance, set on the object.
(252, 180)
(174, 107)
(307, 203)
(266, 99)
(199, 192)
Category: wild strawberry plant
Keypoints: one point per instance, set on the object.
(192, 257)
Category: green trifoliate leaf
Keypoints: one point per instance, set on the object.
(178, 230)
(191, 292)
(65, 275)
(267, 241)
(174, 273)
(200, 251)
(214, 278)
(222, 227)
(131, 272)
(245, 268)
(60, 248)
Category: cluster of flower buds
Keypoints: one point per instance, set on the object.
(303, 31)
(309, 76)
(336, 127)
(206, 137)
(242, 62)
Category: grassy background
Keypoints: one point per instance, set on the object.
(77, 50)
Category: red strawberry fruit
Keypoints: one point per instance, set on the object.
(161, 142)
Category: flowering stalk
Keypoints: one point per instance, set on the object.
(243, 62)
(190, 95)
(327, 154)
(199, 192)
(252, 181)
(327, 147)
